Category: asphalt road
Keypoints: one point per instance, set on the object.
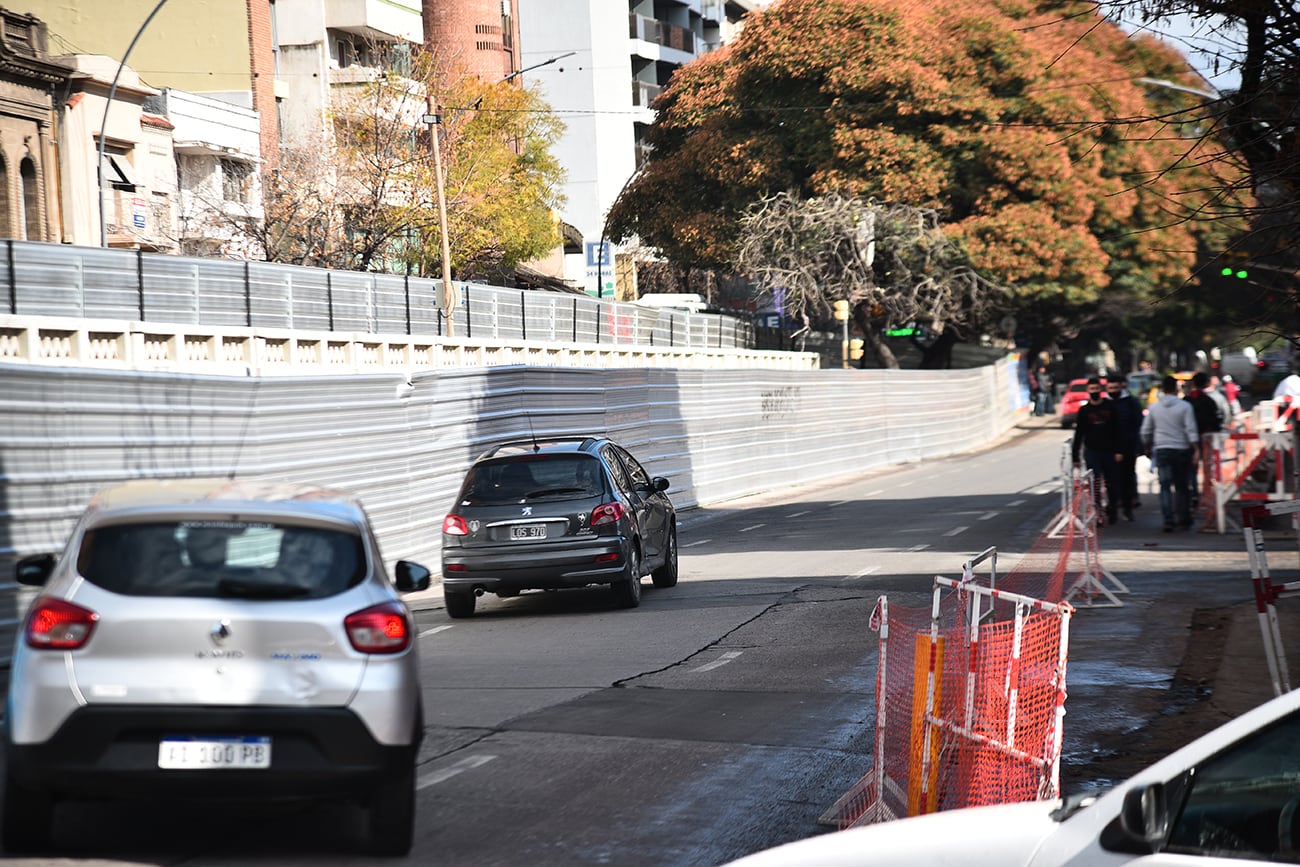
(721, 717)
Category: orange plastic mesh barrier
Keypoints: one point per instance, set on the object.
(969, 704)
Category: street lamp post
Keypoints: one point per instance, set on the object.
(103, 123)
(434, 120)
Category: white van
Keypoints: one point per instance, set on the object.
(689, 302)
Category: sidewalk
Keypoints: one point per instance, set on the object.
(1185, 652)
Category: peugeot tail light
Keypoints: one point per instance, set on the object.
(606, 513)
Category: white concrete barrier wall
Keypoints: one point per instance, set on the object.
(403, 441)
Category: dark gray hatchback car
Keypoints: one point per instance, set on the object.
(556, 513)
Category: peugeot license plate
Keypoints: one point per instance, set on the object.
(203, 754)
(528, 531)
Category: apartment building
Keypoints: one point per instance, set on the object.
(623, 54)
(323, 47)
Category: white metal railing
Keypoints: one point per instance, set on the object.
(126, 345)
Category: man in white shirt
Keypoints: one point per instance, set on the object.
(1169, 435)
(1288, 388)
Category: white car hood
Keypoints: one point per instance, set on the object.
(998, 836)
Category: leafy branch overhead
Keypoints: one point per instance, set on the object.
(893, 263)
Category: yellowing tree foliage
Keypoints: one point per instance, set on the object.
(1022, 125)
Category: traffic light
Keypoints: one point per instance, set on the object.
(841, 309)
(1239, 273)
(855, 349)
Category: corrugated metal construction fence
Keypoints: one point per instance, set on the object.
(403, 444)
(97, 283)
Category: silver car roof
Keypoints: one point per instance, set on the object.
(238, 496)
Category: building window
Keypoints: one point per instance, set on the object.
(117, 171)
(235, 177)
(31, 201)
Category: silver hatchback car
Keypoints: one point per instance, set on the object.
(215, 639)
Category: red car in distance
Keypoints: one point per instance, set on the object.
(1076, 395)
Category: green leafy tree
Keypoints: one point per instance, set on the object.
(1023, 128)
(365, 198)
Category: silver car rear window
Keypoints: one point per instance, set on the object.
(240, 559)
(570, 476)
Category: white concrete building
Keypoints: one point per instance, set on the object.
(138, 190)
(217, 145)
(624, 54)
(327, 44)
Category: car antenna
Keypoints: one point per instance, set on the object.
(537, 447)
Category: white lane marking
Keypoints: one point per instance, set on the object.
(436, 629)
(701, 542)
(921, 547)
(720, 661)
(902, 484)
(861, 573)
(956, 531)
(800, 514)
(842, 502)
(873, 493)
(1014, 503)
(1044, 489)
(468, 763)
(987, 515)
(755, 527)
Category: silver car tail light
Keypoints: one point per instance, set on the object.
(55, 624)
(383, 628)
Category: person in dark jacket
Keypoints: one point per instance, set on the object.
(1130, 426)
(1209, 419)
(1098, 436)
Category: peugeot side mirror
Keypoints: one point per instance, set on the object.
(35, 570)
(659, 483)
(411, 577)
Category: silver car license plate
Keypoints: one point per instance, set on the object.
(203, 754)
(528, 531)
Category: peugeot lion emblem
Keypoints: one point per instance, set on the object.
(220, 632)
(528, 510)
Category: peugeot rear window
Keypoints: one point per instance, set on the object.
(571, 476)
(254, 560)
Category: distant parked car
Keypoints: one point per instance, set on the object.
(1076, 395)
(558, 513)
(210, 639)
(1229, 797)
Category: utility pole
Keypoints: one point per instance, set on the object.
(434, 120)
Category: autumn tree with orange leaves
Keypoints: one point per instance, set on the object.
(1021, 125)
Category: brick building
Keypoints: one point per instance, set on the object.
(479, 36)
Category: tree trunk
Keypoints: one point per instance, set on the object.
(938, 355)
(873, 341)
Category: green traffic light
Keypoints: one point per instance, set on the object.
(1242, 275)
(1226, 272)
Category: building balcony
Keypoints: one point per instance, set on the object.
(661, 33)
(380, 20)
(139, 220)
(644, 92)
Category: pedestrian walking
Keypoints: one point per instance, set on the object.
(1218, 390)
(1169, 436)
(1045, 389)
(1209, 419)
(1232, 392)
(1097, 435)
(1035, 398)
(1129, 411)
